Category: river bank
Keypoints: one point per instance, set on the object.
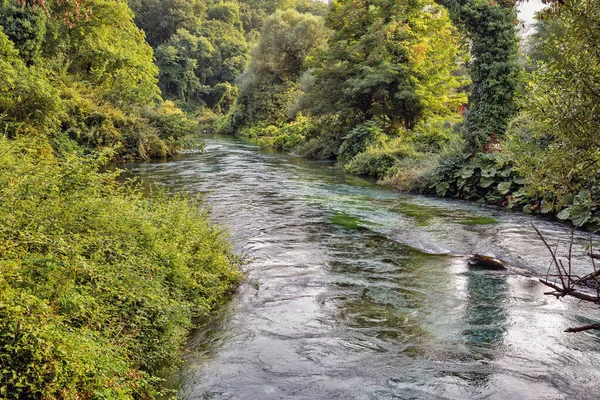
(481, 178)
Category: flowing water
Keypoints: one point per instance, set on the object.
(355, 291)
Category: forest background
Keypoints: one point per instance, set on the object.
(100, 284)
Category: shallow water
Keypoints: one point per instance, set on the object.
(359, 292)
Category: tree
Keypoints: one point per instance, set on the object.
(563, 103)
(255, 12)
(110, 52)
(25, 28)
(269, 84)
(196, 64)
(494, 68)
(179, 61)
(389, 61)
(27, 98)
(161, 19)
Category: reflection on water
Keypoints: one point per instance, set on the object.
(358, 292)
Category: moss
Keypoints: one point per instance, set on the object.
(479, 221)
(345, 220)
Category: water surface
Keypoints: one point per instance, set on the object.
(359, 292)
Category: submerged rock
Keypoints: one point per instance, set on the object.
(420, 240)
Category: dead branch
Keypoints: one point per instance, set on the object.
(562, 292)
(583, 328)
(556, 263)
(593, 256)
(568, 281)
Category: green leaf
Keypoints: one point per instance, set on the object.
(580, 215)
(505, 173)
(504, 187)
(546, 207)
(486, 182)
(569, 199)
(519, 181)
(564, 214)
(441, 188)
(466, 172)
(488, 172)
(583, 198)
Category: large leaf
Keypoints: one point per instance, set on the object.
(466, 172)
(441, 188)
(519, 181)
(488, 172)
(564, 214)
(504, 187)
(546, 207)
(580, 215)
(583, 198)
(505, 173)
(486, 182)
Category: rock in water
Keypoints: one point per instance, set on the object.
(486, 262)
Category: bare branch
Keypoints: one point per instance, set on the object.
(583, 328)
(556, 263)
(562, 292)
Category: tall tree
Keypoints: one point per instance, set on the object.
(269, 84)
(25, 28)
(198, 66)
(564, 103)
(389, 61)
(160, 19)
(494, 68)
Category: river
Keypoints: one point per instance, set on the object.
(355, 291)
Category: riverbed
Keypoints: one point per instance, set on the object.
(356, 291)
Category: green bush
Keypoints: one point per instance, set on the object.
(382, 159)
(377, 163)
(359, 138)
(99, 284)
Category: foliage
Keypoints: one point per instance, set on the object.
(390, 61)
(110, 53)
(270, 83)
(27, 98)
(161, 19)
(288, 137)
(198, 65)
(98, 284)
(559, 151)
(494, 68)
(256, 12)
(91, 81)
(359, 139)
(25, 28)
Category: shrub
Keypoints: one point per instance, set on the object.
(98, 284)
(359, 138)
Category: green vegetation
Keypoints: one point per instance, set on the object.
(88, 81)
(345, 220)
(93, 305)
(479, 221)
(100, 285)
(494, 69)
(387, 88)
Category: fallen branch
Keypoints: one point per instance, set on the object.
(568, 281)
(583, 328)
(562, 292)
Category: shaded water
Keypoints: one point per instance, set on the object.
(359, 292)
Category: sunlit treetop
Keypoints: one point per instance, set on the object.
(71, 10)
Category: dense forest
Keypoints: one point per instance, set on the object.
(439, 97)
